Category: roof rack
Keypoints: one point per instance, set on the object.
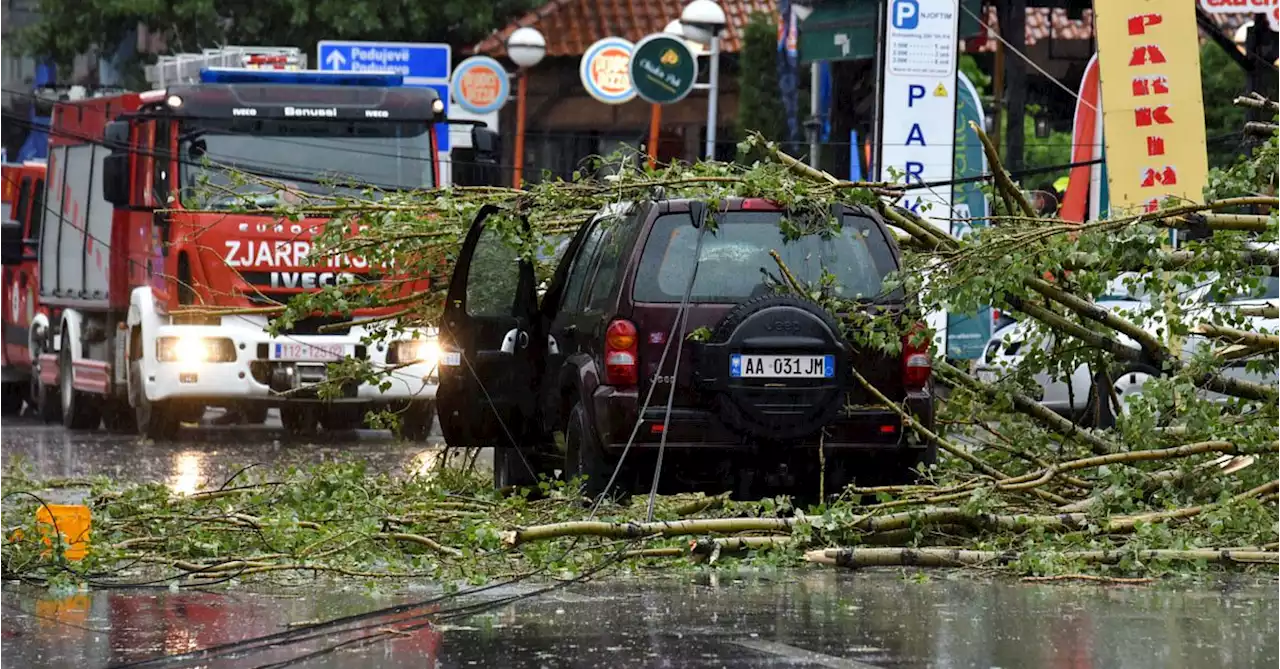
(184, 68)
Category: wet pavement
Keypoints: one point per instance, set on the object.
(794, 619)
(802, 618)
(201, 456)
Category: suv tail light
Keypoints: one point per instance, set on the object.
(917, 364)
(621, 345)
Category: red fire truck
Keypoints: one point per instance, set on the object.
(23, 202)
(145, 237)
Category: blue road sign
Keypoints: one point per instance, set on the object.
(421, 64)
(421, 61)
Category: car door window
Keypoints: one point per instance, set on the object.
(581, 268)
(493, 277)
(614, 244)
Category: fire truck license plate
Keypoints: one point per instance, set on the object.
(305, 351)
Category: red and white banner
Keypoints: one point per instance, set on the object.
(1270, 7)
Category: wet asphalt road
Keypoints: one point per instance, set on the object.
(203, 456)
(804, 618)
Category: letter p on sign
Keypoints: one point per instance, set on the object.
(906, 14)
(914, 92)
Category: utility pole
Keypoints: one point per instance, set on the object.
(1259, 50)
(1013, 27)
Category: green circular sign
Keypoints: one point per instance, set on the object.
(663, 69)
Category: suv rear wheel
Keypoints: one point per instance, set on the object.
(584, 455)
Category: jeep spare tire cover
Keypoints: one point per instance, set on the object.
(776, 367)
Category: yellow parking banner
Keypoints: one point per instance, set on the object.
(1152, 106)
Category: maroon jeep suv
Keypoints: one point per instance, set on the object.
(660, 293)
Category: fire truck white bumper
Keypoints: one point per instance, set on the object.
(243, 362)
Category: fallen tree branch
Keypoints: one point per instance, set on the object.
(946, 444)
(855, 558)
(1088, 577)
(1253, 339)
(596, 528)
(1003, 181)
(1034, 409)
(421, 540)
(1256, 100)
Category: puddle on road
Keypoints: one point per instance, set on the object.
(797, 619)
(201, 457)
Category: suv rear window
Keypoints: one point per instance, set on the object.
(735, 258)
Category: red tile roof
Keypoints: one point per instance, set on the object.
(1044, 23)
(571, 26)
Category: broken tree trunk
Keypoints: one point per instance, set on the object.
(956, 557)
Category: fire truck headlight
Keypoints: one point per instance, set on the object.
(437, 106)
(415, 351)
(174, 101)
(190, 350)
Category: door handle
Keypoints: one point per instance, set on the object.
(570, 329)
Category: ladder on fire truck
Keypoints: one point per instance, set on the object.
(184, 68)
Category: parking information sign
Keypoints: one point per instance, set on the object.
(421, 64)
(918, 107)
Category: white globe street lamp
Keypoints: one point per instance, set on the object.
(677, 29)
(526, 47)
(702, 21)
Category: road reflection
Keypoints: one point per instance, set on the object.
(188, 474)
(873, 618)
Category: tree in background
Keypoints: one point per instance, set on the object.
(1221, 81)
(759, 98)
(68, 28)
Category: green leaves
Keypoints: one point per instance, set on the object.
(68, 28)
(759, 98)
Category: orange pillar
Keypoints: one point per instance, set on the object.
(522, 89)
(655, 123)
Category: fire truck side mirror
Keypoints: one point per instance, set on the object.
(11, 243)
(115, 179)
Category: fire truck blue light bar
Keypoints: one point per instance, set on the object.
(229, 75)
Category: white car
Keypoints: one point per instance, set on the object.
(1071, 396)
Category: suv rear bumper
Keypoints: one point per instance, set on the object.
(616, 411)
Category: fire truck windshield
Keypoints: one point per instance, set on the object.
(317, 156)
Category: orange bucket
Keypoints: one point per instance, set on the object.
(72, 521)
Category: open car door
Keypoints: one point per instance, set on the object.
(490, 353)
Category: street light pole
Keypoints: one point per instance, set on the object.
(702, 21)
(814, 124)
(713, 98)
(525, 47)
(522, 92)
